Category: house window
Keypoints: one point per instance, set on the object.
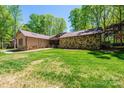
(21, 42)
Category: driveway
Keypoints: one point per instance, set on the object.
(9, 51)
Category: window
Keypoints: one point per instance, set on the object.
(21, 42)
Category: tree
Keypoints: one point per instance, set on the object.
(106, 18)
(119, 14)
(94, 16)
(15, 12)
(25, 27)
(46, 24)
(85, 17)
(74, 17)
(5, 25)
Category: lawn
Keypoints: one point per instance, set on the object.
(62, 68)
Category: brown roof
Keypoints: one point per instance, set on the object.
(56, 37)
(81, 33)
(34, 35)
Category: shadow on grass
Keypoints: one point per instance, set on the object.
(104, 54)
(14, 50)
(99, 54)
(103, 57)
(119, 54)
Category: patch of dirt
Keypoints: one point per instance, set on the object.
(21, 51)
(13, 79)
(37, 62)
(18, 56)
(57, 66)
(13, 57)
(37, 50)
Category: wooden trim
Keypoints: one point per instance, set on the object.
(26, 43)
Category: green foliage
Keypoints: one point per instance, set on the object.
(93, 16)
(46, 24)
(9, 20)
(15, 12)
(5, 25)
(25, 27)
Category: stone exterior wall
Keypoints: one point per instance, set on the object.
(81, 42)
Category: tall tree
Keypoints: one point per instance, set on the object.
(74, 17)
(15, 12)
(106, 16)
(46, 24)
(5, 25)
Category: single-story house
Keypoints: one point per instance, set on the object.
(87, 39)
(28, 40)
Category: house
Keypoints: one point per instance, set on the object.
(87, 39)
(29, 40)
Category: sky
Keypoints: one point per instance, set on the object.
(62, 11)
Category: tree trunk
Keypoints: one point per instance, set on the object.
(120, 27)
(120, 17)
(104, 18)
(14, 36)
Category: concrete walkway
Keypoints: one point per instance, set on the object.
(9, 51)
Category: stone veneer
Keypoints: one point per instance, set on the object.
(81, 42)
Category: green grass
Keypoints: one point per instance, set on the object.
(1, 54)
(66, 68)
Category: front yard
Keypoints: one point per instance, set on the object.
(62, 68)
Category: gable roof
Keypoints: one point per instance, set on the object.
(34, 35)
(81, 33)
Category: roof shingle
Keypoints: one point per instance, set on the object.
(34, 35)
(81, 33)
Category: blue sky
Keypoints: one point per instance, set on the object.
(56, 10)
